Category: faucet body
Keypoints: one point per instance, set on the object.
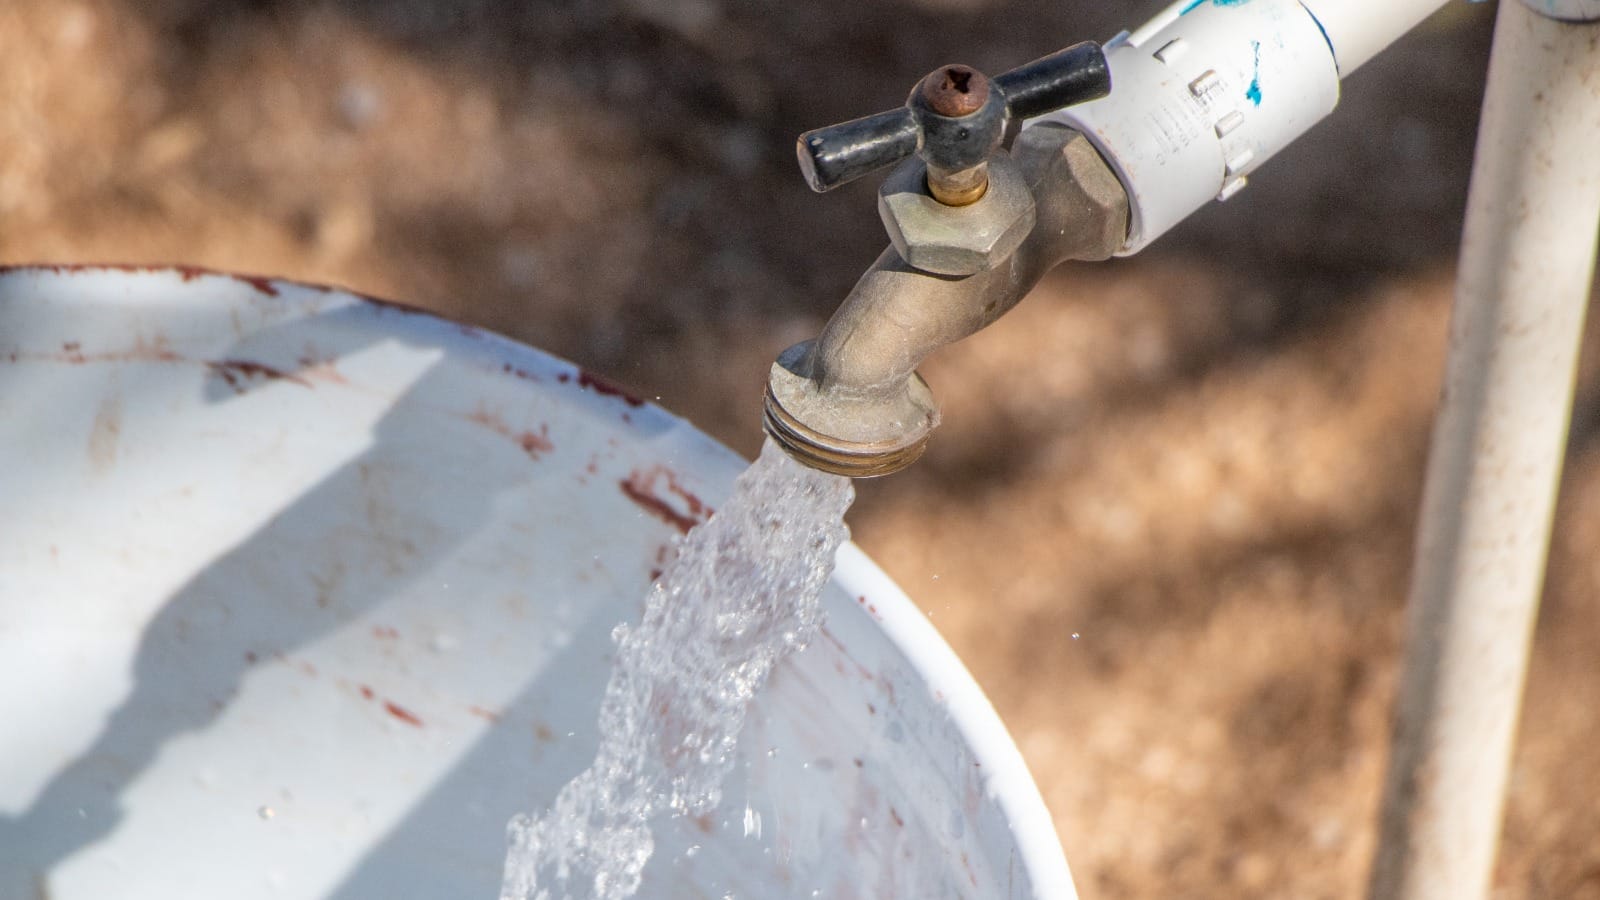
(1205, 92)
(851, 401)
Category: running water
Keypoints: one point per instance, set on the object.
(740, 597)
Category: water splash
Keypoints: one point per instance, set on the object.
(741, 596)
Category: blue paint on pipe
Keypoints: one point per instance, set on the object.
(1254, 93)
(1322, 28)
(1192, 5)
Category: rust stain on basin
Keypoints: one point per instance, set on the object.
(315, 368)
(263, 285)
(518, 371)
(390, 707)
(72, 353)
(105, 432)
(238, 373)
(641, 488)
(401, 713)
(590, 381)
(535, 444)
(664, 554)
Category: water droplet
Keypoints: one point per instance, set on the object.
(752, 823)
(1074, 635)
(266, 813)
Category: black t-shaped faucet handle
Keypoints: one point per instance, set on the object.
(954, 118)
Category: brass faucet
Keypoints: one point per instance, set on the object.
(972, 229)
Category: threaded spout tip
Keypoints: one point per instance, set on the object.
(853, 436)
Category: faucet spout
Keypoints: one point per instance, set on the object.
(851, 402)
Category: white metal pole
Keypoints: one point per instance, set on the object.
(1527, 264)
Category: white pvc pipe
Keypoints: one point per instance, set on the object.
(1527, 264)
(1202, 95)
(1359, 29)
(1208, 90)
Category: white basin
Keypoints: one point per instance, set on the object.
(305, 595)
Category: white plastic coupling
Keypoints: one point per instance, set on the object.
(1201, 96)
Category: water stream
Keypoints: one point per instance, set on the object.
(741, 595)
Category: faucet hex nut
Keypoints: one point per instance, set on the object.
(956, 240)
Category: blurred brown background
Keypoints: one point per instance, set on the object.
(1168, 519)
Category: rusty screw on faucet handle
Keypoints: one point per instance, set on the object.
(956, 92)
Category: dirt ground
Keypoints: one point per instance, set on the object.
(1167, 521)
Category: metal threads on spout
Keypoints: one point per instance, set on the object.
(832, 455)
(854, 433)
